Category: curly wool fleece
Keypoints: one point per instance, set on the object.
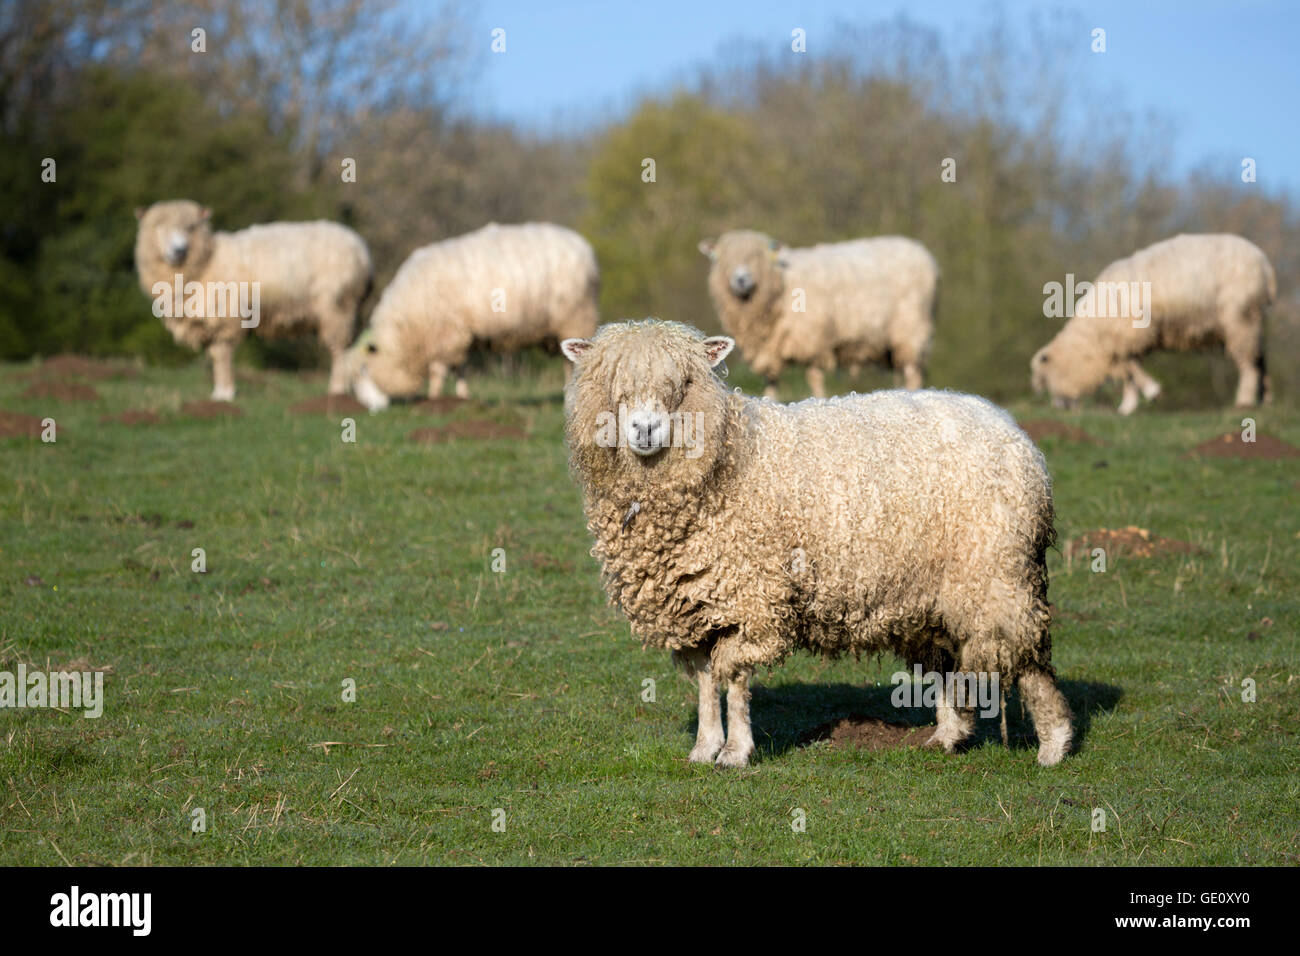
(910, 522)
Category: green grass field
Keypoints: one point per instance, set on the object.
(479, 691)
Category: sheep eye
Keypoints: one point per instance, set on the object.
(372, 348)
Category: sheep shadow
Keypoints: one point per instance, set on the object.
(790, 716)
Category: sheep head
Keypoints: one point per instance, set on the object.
(174, 235)
(748, 268)
(645, 407)
(1068, 368)
(379, 369)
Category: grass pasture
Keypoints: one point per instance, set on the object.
(521, 691)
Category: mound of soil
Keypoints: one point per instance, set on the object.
(133, 416)
(1038, 429)
(871, 733)
(329, 405)
(1133, 541)
(1230, 445)
(475, 429)
(209, 409)
(61, 391)
(82, 366)
(440, 405)
(18, 425)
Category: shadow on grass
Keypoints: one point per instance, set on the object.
(788, 716)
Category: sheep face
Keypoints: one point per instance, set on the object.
(1067, 371)
(645, 399)
(380, 371)
(748, 265)
(178, 232)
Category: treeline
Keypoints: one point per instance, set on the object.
(851, 139)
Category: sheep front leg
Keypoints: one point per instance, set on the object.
(1129, 403)
(223, 371)
(338, 370)
(817, 382)
(709, 738)
(955, 723)
(462, 386)
(1149, 387)
(740, 738)
(437, 375)
(913, 378)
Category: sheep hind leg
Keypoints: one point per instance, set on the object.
(462, 385)
(912, 376)
(740, 737)
(709, 737)
(817, 382)
(1147, 385)
(1050, 714)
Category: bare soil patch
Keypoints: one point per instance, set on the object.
(1230, 445)
(872, 733)
(1040, 428)
(1133, 541)
(18, 425)
(61, 391)
(210, 409)
(133, 416)
(329, 405)
(442, 404)
(68, 365)
(474, 429)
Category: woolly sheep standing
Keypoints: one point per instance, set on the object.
(506, 287)
(1205, 290)
(301, 276)
(844, 303)
(734, 530)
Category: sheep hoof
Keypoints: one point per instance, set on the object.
(1053, 748)
(1129, 405)
(733, 757)
(1151, 391)
(705, 753)
(223, 394)
(938, 740)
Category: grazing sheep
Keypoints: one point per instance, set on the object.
(844, 303)
(1200, 291)
(297, 276)
(506, 287)
(734, 530)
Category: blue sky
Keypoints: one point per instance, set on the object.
(1226, 75)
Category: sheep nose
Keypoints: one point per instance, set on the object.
(742, 283)
(645, 432)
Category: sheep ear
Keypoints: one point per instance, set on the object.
(780, 254)
(205, 214)
(718, 348)
(139, 212)
(574, 349)
(710, 248)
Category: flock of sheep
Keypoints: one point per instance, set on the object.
(730, 529)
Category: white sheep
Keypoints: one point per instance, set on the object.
(1188, 292)
(844, 303)
(282, 278)
(504, 287)
(734, 530)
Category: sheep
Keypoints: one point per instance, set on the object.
(297, 276)
(733, 530)
(507, 287)
(867, 300)
(1184, 293)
